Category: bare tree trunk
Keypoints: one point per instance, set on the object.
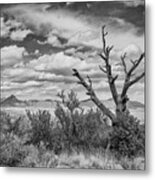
(121, 107)
(120, 100)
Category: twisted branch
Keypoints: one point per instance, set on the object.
(128, 74)
(107, 70)
(92, 94)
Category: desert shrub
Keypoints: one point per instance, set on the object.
(44, 130)
(41, 127)
(11, 140)
(5, 123)
(128, 137)
(16, 136)
(11, 150)
(18, 126)
(81, 130)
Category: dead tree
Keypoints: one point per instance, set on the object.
(130, 79)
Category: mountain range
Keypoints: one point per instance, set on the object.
(110, 104)
(13, 101)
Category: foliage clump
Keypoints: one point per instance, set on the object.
(40, 127)
(81, 130)
(128, 137)
(11, 145)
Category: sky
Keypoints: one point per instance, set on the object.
(41, 44)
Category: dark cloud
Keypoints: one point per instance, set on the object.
(35, 39)
(134, 14)
(30, 43)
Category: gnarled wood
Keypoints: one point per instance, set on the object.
(128, 74)
(93, 96)
(119, 99)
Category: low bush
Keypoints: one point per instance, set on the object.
(12, 151)
(12, 138)
(81, 130)
(41, 127)
(128, 137)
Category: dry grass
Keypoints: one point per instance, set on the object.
(98, 161)
(47, 159)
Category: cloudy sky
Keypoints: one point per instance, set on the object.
(41, 43)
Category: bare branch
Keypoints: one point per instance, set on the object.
(103, 69)
(79, 83)
(103, 57)
(123, 63)
(136, 63)
(129, 74)
(137, 79)
(104, 34)
(114, 78)
(108, 49)
(93, 96)
(128, 84)
(133, 62)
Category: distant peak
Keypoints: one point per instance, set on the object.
(12, 96)
(11, 99)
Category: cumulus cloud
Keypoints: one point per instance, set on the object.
(13, 29)
(52, 39)
(54, 61)
(11, 55)
(4, 28)
(43, 21)
(59, 61)
(132, 50)
(19, 34)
